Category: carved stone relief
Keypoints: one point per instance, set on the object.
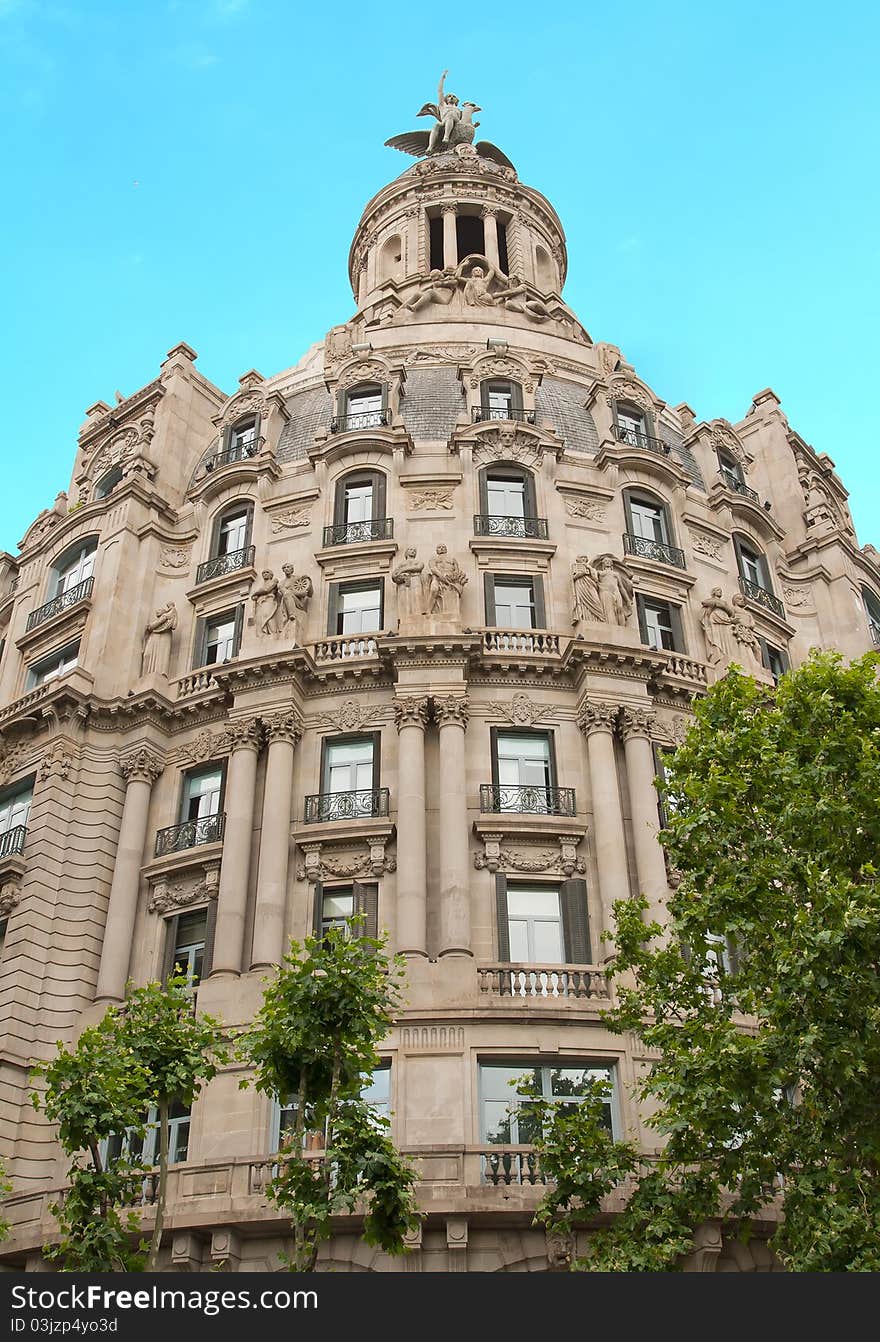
(10, 898)
(547, 861)
(320, 865)
(444, 584)
(291, 520)
(797, 596)
(205, 746)
(174, 556)
(12, 759)
(168, 897)
(58, 761)
(420, 500)
(602, 591)
(440, 354)
(507, 444)
(704, 544)
(350, 716)
(589, 509)
(522, 711)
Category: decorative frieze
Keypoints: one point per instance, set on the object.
(169, 897)
(174, 556)
(13, 759)
(320, 865)
(141, 765)
(206, 745)
(350, 716)
(430, 499)
(522, 711)
(591, 510)
(704, 544)
(546, 861)
(291, 520)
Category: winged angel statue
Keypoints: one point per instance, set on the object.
(455, 126)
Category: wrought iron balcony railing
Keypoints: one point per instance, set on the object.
(738, 486)
(206, 829)
(527, 800)
(59, 603)
(755, 592)
(511, 528)
(12, 841)
(237, 452)
(228, 563)
(346, 805)
(483, 413)
(364, 419)
(638, 438)
(643, 548)
(354, 533)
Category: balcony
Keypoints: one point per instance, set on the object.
(579, 982)
(223, 564)
(12, 842)
(755, 592)
(238, 452)
(640, 547)
(733, 482)
(354, 533)
(192, 833)
(536, 641)
(63, 601)
(364, 419)
(483, 414)
(525, 800)
(505, 1165)
(637, 438)
(324, 806)
(511, 528)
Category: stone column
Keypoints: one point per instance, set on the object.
(411, 715)
(450, 238)
(490, 231)
(597, 721)
(451, 712)
(245, 737)
(283, 730)
(636, 725)
(141, 769)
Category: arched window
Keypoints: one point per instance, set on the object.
(507, 504)
(359, 510)
(649, 533)
(231, 547)
(872, 610)
(242, 439)
(108, 482)
(363, 407)
(754, 571)
(501, 399)
(633, 425)
(75, 566)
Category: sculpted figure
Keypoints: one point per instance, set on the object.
(603, 591)
(156, 652)
(439, 288)
(446, 582)
(448, 115)
(407, 577)
(716, 620)
(587, 604)
(455, 127)
(509, 293)
(818, 507)
(294, 595)
(743, 627)
(267, 599)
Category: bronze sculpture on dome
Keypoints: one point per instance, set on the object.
(454, 131)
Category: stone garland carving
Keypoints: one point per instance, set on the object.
(549, 861)
(365, 370)
(440, 353)
(291, 520)
(59, 761)
(597, 717)
(451, 709)
(141, 765)
(430, 498)
(158, 635)
(635, 722)
(174, 556)
(797, 596)
(283, 727)
(703, 544)
(168, 897)
(501, 368)
(410, 711)
(350, 716)
(602, 591)
(587, 508)
(521, 711)
(344, 869)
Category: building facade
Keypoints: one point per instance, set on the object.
(399, 630)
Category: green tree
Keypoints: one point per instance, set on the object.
(762, 998)
(314, 1041)
(151, 1050)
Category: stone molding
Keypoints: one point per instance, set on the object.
(58, 761)
(168, 897)
(142, 765)
(543, 861)
(321, 866)
(411, 711)
(451, 709)
(350, 716)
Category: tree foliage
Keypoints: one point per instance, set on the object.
(314, 1041)
(766, 1086)
(147, 1052)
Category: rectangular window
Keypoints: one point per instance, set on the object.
(356, 608)
(648, 521)
(731, 471)
(773, 659)
(358, 503)
(348, 764)
(542, 924)
(50, 668)
(514, 604)
(77, 570)
(221, 639)
(508, 1089)
(364, 408)
(751, 566)
(202, 790)
(505, 496)
(337, 907)
(15, 808)
(500, 400)
(660, 624)
(534, 923)
(243, 440)
(189, 945)
(145, 1150)
(233, 534)
(631, 426)
(523, 759)
(376, 1090)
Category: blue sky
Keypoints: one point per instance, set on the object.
(194, 170)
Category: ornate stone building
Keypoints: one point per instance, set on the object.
(399, 629)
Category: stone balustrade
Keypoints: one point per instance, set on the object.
(538, 642)
(345, 647)
(195, 683)
(685, 667)
(582, 982)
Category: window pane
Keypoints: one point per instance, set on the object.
(15, 810)
(360, 610)
(220, 641)
(514, 606)
(358, 504)
(648, 521)
(349, 765)
(546, 942)
(232, 533)
(505, 498)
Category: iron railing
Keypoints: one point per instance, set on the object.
(512, 528)
(482, 414)
(364, 419)
(237, 452)
(738, 486)
(205, 829)
(81, 592)
(638, 438)
(228, 563)
(12, 841)
(755, 592)
(527, 800)
(352, 533)
(346, 805)
(643, 548)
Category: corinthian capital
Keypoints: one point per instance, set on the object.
(597, 717)
(244, 734)
(410, 711)
(142, 766)
(451, 708)
(637, 722)
(283, 727)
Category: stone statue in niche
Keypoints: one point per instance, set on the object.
(603, 591)
(446, 583)
(294, 592)
(716, 621)
(743, 628)
(407, 578)
(267, 599)
(156, 652)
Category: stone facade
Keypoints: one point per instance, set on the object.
(235, 586)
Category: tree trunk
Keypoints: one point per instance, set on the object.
(155, 1242)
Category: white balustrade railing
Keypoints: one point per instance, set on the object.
(686, 667)
(578, 981)
(195, 683)
(342, 647)
(535, 641)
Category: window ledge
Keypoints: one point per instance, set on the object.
(362, 559)
(67, 622)
(489, 548)
(370, 829)
(566, 829)
(201, 855)
(656, 568)
(225, 582)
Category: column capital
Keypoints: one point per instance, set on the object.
(488, 211)
(448, 207)
(451, 709)
(283, 727)
(245, 734)
(597, 717)
(637, 722)
(142, 765)
(410, 711)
